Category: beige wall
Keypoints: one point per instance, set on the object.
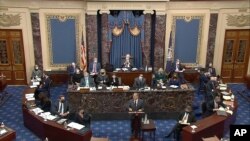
(25, 7)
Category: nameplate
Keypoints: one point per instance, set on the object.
(117, 89)
(84, 90)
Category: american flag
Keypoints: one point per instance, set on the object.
(83, 55)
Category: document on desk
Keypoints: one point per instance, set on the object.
(3, 131)
(76, 125)
(225, 93)
(226, 97)
(173, 86)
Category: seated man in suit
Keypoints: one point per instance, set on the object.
(214, 105)
(37, 73)
(44, 86)
(127, 63)
(61, 107)
(185, 118)
(87, 81)
(102, 79)
(135, 105)
(211, 70)
(94, 67)
(139, 82)
(114, 80)
(83, 118)
(174, 80)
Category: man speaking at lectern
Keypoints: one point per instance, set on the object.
(135, 105)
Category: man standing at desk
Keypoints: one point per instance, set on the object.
(135, 105)
(94, 67)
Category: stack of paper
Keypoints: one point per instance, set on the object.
(226, 97)
(37, 110)
(225, 93)
(76, 125)
(3, 131)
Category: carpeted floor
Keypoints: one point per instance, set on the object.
(116, 130)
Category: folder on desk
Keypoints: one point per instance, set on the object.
(83, 130)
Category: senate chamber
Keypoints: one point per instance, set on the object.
(124, 70)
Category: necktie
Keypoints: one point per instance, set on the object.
(87, 82)
(94, 68)
(135, 104)
(185, 118)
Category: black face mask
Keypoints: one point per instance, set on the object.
(36, 69)
(62, 101)
(102, 73)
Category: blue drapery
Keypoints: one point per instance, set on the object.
(126, 34)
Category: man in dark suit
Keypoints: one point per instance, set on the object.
(214, 105)
(102, 79)
(44, 86)
(83, 118)
(211, 70)
(77, 77)
(94, 67)
(87, 81)
(185, 118)
(139, 82)
(135, 105)
(114, 80)
(61, 107)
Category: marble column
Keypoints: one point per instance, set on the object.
(147, 36)
(105, 42)
(211, 38)
(37, 39)
(159, 50)
(91, 33)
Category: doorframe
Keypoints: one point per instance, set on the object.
(220, 36)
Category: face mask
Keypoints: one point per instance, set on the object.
(102, 72)
(62, 101)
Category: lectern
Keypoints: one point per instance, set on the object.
(136, 123)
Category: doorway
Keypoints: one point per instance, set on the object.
(235, 56)
(12, 61)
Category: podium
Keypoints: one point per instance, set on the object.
(136, 124)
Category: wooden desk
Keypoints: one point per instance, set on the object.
(58, 77)
(128, 78)
(9, 136)
(210, 126)
(191, 75)
(49, 129)
(148, 128)
(3, 83)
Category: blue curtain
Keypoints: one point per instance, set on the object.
(126, 42)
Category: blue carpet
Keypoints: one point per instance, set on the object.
(115, 130)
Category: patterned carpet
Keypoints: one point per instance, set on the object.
(116, 130)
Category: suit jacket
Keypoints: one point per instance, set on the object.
(98, 67)
(212, 71)
(140, 105)
(114, 83)
(180, 67)
(71, 69)
(102, 80)
(56, 107)
(128, 67)
(45, 105)
(191, 117)
(91, 82)
(138, 83)
(211, 106)
(77, 78)
(84, 121)
(174, 82)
